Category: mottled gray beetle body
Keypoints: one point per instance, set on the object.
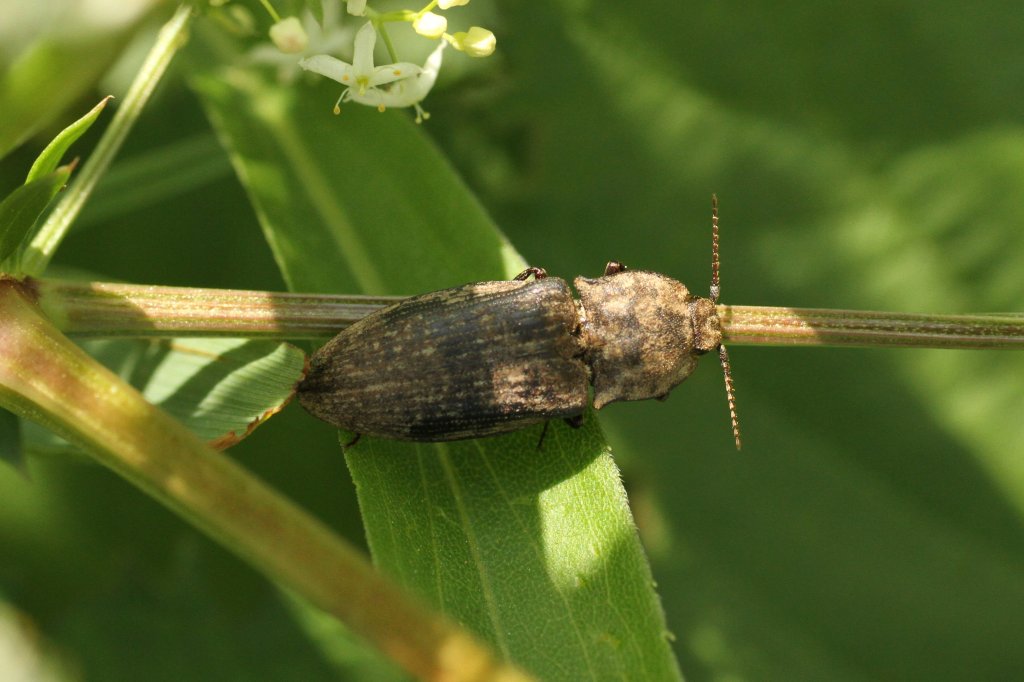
(492, 357)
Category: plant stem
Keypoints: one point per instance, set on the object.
(383, 31)
(171, 38)
(47, 378)
(753, 325)
(100, 309)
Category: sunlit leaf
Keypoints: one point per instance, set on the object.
(499, 534)
(221, 389)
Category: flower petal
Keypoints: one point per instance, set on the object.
(326, 65)
(390, 73)
(362, 60)
(356, 7)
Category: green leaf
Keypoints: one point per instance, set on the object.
(221, 389)
(21, 209)
(533, 547)
(337, 195)
(50, 157)
(535, 550)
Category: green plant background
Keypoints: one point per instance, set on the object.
(865, 156)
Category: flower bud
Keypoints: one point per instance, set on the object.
(430, 25)
(289, 36)
(477, 42)
(356, 7)
(445, 4)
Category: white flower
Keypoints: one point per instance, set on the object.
(331, 38)
(408, 92)
(361, 76)
(430, 25)
(289, 36)
(445, 4)
(357, 7)
(477, 42)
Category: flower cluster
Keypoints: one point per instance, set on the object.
(398, 84)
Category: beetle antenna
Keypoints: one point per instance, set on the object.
(730, 395)
(715, 289)
(723, 355)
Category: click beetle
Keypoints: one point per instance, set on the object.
(492, 357)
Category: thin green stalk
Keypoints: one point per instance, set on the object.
(100, 309)
(383, 31)
(46, 378)
(754, 325)
(171, 38)
(270, 10)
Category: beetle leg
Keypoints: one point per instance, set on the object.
(352, 442)
(613, 267)
(543, 433)
(538, 273)
(576, 421)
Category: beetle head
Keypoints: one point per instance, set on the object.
(707, 328)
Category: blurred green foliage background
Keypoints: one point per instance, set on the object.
(866, 155)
